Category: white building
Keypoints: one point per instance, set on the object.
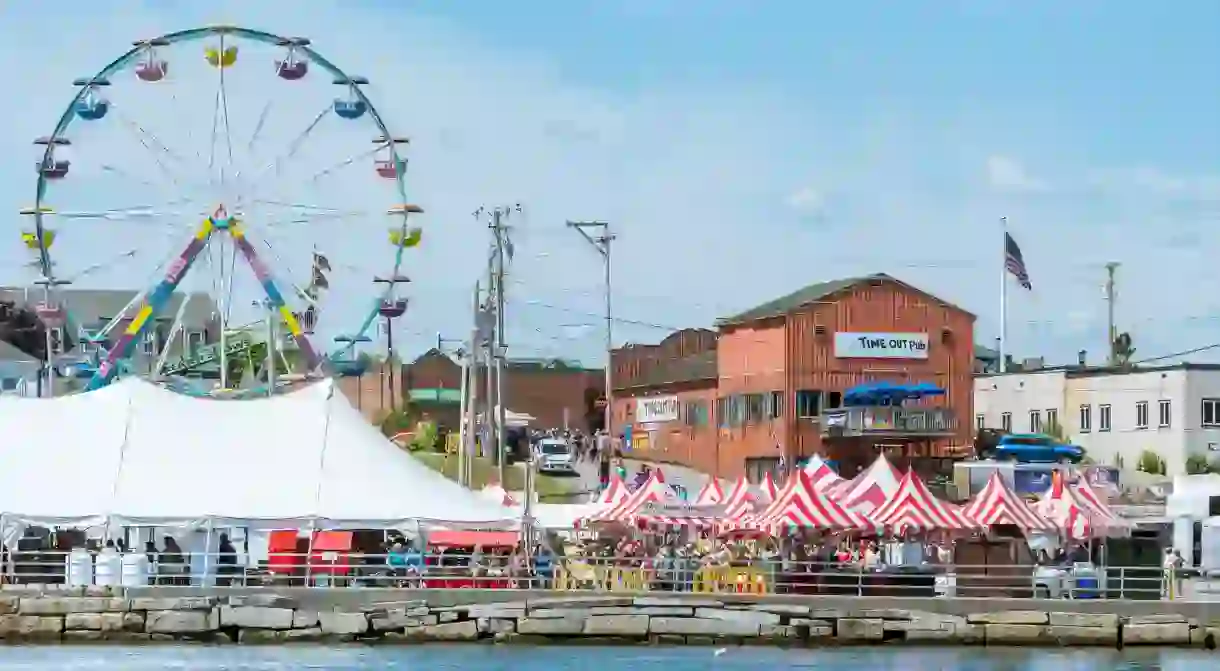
(1116, 415)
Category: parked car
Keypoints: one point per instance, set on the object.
(555, 455)
(1036, 448)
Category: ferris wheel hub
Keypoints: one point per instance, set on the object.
(220, 218)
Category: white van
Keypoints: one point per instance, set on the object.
(554, 455)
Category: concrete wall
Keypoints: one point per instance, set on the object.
(91, 615)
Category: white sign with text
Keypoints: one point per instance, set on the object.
(656, 409)
(881, 345)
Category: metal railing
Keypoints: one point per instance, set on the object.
(888, 421)
(452, 570)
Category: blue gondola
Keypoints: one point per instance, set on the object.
(350, 109)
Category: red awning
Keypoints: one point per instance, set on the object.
(333, 541)
(464, 539)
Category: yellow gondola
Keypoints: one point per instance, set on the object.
(30, 239)
(411, 239)
(223, 59)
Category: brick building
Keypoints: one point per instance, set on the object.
(548, 389)
(737, 399)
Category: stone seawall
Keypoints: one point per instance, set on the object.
(98, 614)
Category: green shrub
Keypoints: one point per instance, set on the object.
(1151, 462)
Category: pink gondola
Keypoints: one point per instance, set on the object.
(151, 69)
(388, 166)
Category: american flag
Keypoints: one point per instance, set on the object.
(1015, 263)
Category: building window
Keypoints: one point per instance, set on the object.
(1211, 412)
(980, 422)
(775, 409)
(1103, 417)
(1052, 419)
(149, 344)
(1006, 422)
(808, 403)
(1086, 418)
(1141, 414)
(194, 341)
(1035, 421)
(758, 467)
(57, 340)
(1163, 409)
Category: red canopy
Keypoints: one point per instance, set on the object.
(914, 507)
(616, 490)
(654, 490)
(998, 504)
(711, 493)
(800, 504)
(822, 475)
(870, 489)
(769, 490)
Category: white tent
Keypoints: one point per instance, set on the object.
(138, 454)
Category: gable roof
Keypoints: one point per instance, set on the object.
(10, 354)
(693, 368)
(810, 294)
(92, 307)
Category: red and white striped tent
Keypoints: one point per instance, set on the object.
(1074, 516)
(711, 493)
(740, 507)
(800, 504)
(654, 490)
(1097, 505)
(822, 475)
(1062, 506)
(913, 507)
(615, 491)
(870, 489)
(768, 490)
(999, 504)
(676, 513)
(740, 501)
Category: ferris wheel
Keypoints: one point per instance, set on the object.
(210, 148)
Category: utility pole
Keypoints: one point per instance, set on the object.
(391, 308)
(600, 240)
(470, 392)
(53, 316)
(1111, 297)
(502, 251)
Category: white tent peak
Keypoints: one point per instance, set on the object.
(143, 454)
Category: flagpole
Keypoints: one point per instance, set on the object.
(1003, 294)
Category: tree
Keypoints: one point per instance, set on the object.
(1123, 349)
(1151, 462)
(1198, 464)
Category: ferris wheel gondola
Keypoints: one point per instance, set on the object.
(233, 214)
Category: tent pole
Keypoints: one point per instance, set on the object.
(207, 554)
(313, 533)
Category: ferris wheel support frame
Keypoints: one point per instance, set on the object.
(159, 296)
(43, 238)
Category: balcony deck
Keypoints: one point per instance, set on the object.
(887, 421)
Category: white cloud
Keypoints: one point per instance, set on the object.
(1008, 174)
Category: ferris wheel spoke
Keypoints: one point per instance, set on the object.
(327, 172)
(294, 147)
(258, 128)
(158, 152)
(224, 111)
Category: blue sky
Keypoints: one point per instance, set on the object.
(741, 149)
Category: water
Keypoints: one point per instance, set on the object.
(554, 658)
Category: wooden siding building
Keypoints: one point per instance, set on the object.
(766, 375)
